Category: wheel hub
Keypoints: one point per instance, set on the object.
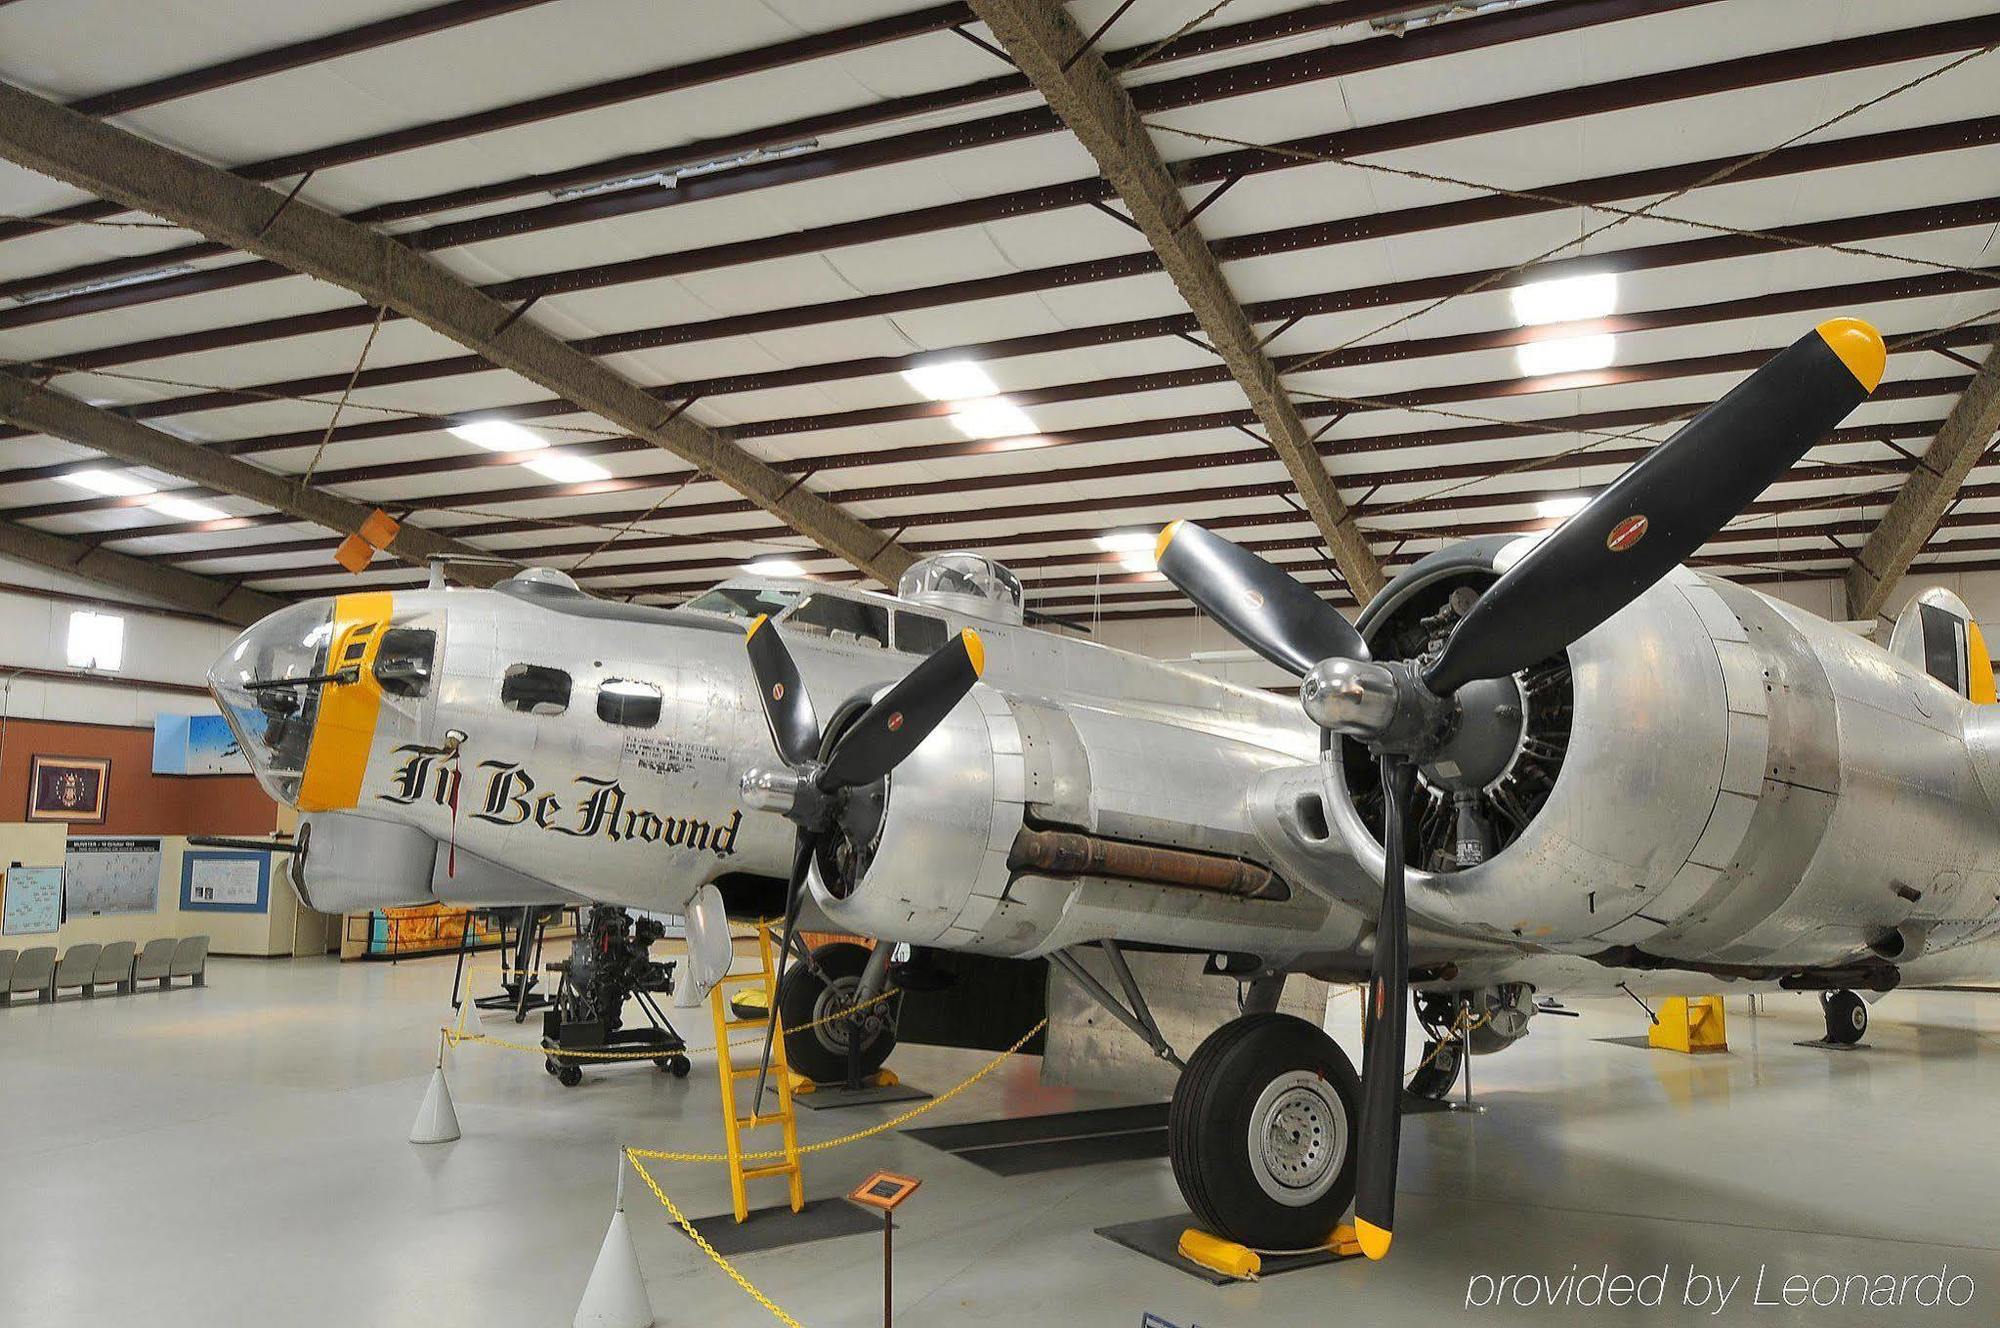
(1298, 1138)
(835, 1000)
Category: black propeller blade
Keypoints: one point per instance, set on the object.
(795, 893)
(892, 728)
(1380, 1134)
(787, 707)
(1665, 507)
(1259, 604)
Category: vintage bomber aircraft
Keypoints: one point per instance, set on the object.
(1602, 769)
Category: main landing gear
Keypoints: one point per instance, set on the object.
(1261, 1132)
(1846, 1017)
(816, 993)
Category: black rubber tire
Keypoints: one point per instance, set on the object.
(1438, 1072)
(677, 1066)
(1846, 1017)
(1208, 1130)
(820, 1054)
(569, 1076)
(550, 1064)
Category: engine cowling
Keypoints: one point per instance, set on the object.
(1701, 778)
(1022, 825)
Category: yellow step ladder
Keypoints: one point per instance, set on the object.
(733, 1123)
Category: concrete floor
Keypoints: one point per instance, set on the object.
(237, 1156)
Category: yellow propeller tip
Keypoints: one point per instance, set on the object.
(1166, 538)
(975, 650)
(1374, 1240)
(1859, 347)
(761, 619)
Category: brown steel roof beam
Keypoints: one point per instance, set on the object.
(91, 154)
(549, 106)
(905, 147)
(1621, 94)
(296, 55)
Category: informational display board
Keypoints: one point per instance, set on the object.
(225, 881)
(111, 875)
(196, 745)
(34, 901)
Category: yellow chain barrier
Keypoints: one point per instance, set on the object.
(633, 1156)
(455, 1037)
(673, 1210)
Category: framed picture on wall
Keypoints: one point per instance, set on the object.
(68, 788)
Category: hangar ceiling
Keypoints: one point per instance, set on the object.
(844, 295)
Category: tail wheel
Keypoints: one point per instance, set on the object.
(1261, 1132)
(1846, 1017)
(805, 997)
(1439, 1071)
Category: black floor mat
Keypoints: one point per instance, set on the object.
(778, 1227)
(1022, 1145)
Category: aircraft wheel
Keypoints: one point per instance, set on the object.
(820, 1052)
(1846, 1017)
(1439, 1071)
(569, 1076)
(1261, 1130)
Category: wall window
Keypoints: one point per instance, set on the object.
(636, 705)
(535, 690)
(849, 620)
(96, 640)
(919, 633)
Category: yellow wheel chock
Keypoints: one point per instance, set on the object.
(1695, 1026)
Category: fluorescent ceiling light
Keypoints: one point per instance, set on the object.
(774, 567)
(1139, 562)
(110, 483)
(672, 176)
(1566, 299)
(567, 468)
(1129, 541)
(186, 509)
(498, 436)
(950, 380)
(1569, 355)
(103, 284)
(991, 417)
(1562, 508)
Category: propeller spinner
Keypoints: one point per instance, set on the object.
(1410, 712)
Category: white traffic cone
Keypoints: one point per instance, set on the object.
(615, 1296)
(437, 1120)
(471, 1019)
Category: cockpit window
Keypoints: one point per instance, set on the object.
(919, 633)
(853, 621)
(404, 660)
(636, 705)
(744, 601)
(534, 689)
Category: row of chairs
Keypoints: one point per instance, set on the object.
(120, 965)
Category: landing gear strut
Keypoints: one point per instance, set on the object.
(1261, 1132)
(1846, 1017)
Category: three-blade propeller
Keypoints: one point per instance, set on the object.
(1604, 557)
(866, 750)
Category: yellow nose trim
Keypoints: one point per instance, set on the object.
(1859, 347)
(344, 728)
